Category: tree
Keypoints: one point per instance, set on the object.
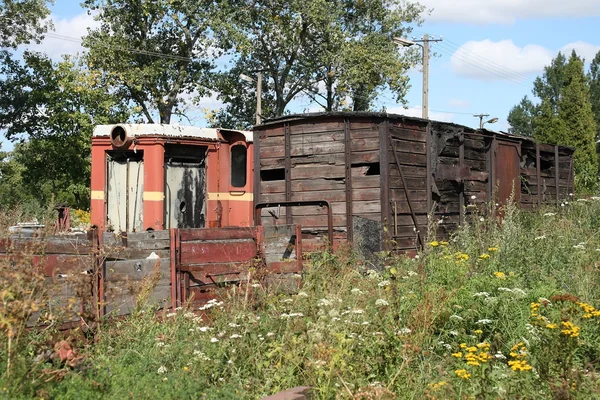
(155, 52)
(550, 85)
(22, 21)
(522, 116)
(328, 50)
(54, 106)
(575, 111)
(594, 82)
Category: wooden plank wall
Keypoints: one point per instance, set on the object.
(128, 260)
(317, 171)
(548, 155)
(66, 263)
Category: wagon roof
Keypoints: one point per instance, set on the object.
(383, 115)
(170, 130)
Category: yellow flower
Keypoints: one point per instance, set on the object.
(473, 363)
(462, 257)
(500, 275)
(478, 331)
(463, 345)
(186, 368)
(492, 249)
(569, 329)
(551, 326)
(437, 385)
(442, 243)
(457, 355)
(435, 243)
(462, 373)
(484, 256)
(471, 349)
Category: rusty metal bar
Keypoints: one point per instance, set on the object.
(461, 163)
(288, 172)
(256, 183)
(173, 265)
(348, 165)
(299, 247)
(429, 167)
(384, 181)
(127, 197)
(493, 149)
(538, 173)
(305, 203)
(556, 175)
(412, 213)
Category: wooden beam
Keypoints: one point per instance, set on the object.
(288, 172)
(348, 180)
(556, 175)
(384, 185)
(538, 172)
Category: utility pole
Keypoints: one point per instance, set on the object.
(425, 47)
(481, 117)
(259, 98)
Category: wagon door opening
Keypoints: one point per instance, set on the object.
(185, 186)
(125, 188)
(507, 174)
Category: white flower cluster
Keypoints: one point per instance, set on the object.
(210, 304)
(381, 302)
(291, 315)
(383, 284)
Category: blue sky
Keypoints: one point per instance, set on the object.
(490, 54)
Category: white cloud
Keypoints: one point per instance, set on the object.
(458, 103)
(507, 11)
(416, 111)
(583, 49)
(488, 60)
(66, 37)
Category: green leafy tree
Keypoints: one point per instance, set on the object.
(594, 81)
(155, 52)
(339, 53)
(575, 111)
(550, 85)
(22, 21)
(54, 107)
(522, 118)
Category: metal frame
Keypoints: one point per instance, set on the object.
(305, 203)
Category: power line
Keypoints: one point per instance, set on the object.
(124, 49)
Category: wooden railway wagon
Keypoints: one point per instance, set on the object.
(383, 174)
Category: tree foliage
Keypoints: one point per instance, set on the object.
(54, 106)
(155, 52)
(522, 118)
(338, 53)
(594, 82)
(22, 21)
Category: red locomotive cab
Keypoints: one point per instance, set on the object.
(152, 176)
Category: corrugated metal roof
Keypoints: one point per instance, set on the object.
(167, 130)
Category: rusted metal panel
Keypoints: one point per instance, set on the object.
(429, 168)
(226, 251)
(508, 171)
(461, 166)
(125, 188)
(538, 172)
(185, 194)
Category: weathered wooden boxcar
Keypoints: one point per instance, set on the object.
(383, 174)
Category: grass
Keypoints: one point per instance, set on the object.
(500, 312)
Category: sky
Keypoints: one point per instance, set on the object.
(489, 55)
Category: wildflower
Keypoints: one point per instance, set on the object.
(504, 289)
(550, 214)
(463, 345)
(232, 325)
(500, 356)
(456, 317)
(519, 365)
(478, 332)
(457, 355)
(443, 243)
(203, 328)
(481, 294)
(551, 326)
(372, 274)
(492, 249)
(358, 311)
(540, 237)
(519, 291)
(580, 246)
(383, 283)
(302, 294)
(324, 302)
(170, 315)
(462, 373)
(214, 340)
(435, 243)
(186, 368)
(189, 315)
(298, 314)
(412, 273)
(569, 329)
(255, 285)
(453, 333)
(481, 219)
(500, 275)
(473, 363)
(484, 322)
(461, 257)
(160, 344)
(287, 300)
(484, 256)
(235, 336)
(381, 302)
(437, 385)
(162, 369)
(356, 291)
(404, 331)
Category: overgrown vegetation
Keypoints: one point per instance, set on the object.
(500, 311)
